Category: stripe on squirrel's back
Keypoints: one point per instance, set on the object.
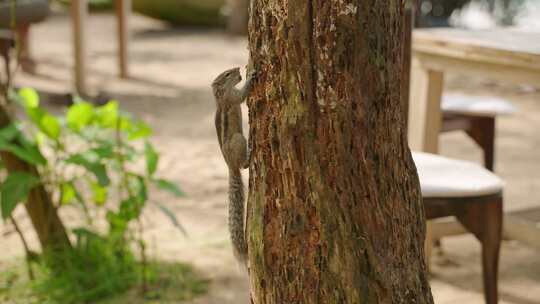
(225, 124)
(217, 122)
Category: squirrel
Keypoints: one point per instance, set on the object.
(233, 145)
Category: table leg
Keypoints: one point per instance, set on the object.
(123, 9)
(79, 13)
(425, 121)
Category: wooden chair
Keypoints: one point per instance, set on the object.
(476, 116)
(473, 195)
(461, 189)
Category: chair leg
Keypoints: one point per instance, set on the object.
(485, 222)
(491, 245)
(482, 130)
(25, 60)
(5, 47)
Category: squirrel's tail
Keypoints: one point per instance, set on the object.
(236, 215)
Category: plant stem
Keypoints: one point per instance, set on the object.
(29, 254)
(144, 260)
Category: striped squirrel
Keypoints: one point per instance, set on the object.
(233, 146)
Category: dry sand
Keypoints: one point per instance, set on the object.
(171, 70)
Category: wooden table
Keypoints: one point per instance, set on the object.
(502, 54)
(79, 13)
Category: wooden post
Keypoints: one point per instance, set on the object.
(425, 108)
(79, 14)
(123, 9)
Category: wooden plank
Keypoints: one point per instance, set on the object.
(503, 47)
(79, 14)
(123, 10)
(497, 71)
(424, 108)
(513, 40)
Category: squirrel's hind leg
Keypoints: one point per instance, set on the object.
(237, 151)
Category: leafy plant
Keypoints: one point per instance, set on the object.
(98, 160)
(81, 151)
(168, 283)
(94, 269)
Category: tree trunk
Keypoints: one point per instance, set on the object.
(334, 209)
(44, 217)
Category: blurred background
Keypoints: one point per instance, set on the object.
(156, 60)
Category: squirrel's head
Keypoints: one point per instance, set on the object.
(229, 78)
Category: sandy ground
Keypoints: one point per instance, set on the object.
(171, 70)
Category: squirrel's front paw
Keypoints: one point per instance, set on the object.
(252, 74)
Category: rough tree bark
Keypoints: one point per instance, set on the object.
(334, 210)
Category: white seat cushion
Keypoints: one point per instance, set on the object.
(476, 105)
(445, 177)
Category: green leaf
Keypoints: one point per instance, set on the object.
(152, 158)
(68, 193)
(46, 122)
(35, 115)
(29, 98)
(104, 151)
(116, 222)
(91, 162)
(29, 153)
(168, 186)
(137, 187)
(100, 194)
(15, 189)
(125, 123)
(172, 217)
(14, 141)
(130, 208)
(50, 126)
(139, 130)
(107, 114)
(79, 115)
(40, 138)
(10, 132)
